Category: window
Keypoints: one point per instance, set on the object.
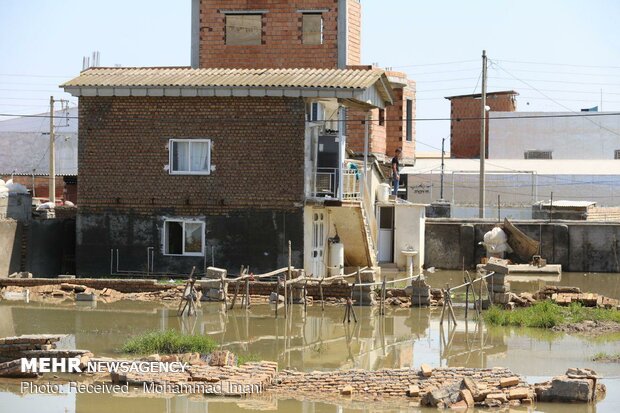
(617, 154)
(244, 29)
(317, 112)
(381, 117)
(312, 28)
(184, 237)
(190, 156)
(409, 121)
(537, 154)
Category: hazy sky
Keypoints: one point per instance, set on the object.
(558, 55)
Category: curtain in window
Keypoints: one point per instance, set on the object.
(180, 156)
(193, 237)
(200, 157)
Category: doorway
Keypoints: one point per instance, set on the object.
(386, 234)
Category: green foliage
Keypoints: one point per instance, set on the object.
(168, 342)
(246, 358)
(547, 314)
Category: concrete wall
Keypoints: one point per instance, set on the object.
(568, 137)
(16, 206)
(587, 247)
(10, 240)
(49, 247)
(409, 224)
(252, 237)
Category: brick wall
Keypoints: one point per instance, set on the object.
(384, 138)
(281, 35)
(354, 32)
(397, 123)
(123, 152)
(465, 134)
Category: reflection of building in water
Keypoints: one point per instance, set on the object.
(469, 344)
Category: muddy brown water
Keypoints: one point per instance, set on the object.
(314, 341)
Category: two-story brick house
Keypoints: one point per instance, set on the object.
(224, 162)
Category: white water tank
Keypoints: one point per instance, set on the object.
(383, 193)
(336, 258)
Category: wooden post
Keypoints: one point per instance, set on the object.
(466, 300)
(321, 294)
(351, 301)
(473, 290)
(277, 294)
(359, 281)
(306, 297)
(247, 293)
(286, 278)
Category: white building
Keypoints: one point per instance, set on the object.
(554, 135)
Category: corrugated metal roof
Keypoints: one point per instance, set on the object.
(212, 77)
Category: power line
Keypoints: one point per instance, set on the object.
(573, 114)
(556, 102)
(556, 64)
(437, 64)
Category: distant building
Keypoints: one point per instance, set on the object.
(554, 135)
(466, 122)
(24, 153)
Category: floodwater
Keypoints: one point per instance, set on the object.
(316, 340)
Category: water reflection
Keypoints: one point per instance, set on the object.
(312, 340)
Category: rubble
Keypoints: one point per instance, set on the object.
(576, 386)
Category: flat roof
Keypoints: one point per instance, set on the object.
(478, 95)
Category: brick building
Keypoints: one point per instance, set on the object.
(304, 34)
(224, 162)
(178, 164)
(466, 125)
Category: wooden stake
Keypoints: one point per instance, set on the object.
(321, 294)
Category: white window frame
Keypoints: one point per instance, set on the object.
(184, 254)
(171, 170)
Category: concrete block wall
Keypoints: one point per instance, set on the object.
(466, 124)
(282, 44)
(577, 246)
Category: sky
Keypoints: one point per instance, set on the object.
(558, 54)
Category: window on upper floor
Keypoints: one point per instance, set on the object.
(312, 28)
(617, 154)
(409, 121)
(536, 154)
(244, 29)
(184, 237)
(381, 117)
(190, 156)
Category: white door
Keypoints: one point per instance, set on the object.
(318, 244)
(386, 234)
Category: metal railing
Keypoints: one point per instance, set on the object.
(351, 184)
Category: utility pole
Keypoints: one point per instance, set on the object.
(483, 131)
(52, 171)
(443, 152)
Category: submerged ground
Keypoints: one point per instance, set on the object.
(316, 341)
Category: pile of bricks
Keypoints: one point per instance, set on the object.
(568, 295)
(441, 387)
(16, 347)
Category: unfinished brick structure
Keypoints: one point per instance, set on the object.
(466, 125)
(280, 40)
(280, 44)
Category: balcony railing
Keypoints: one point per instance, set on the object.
(327, 179)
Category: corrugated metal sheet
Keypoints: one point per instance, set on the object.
(567, 204)
(263, 78)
